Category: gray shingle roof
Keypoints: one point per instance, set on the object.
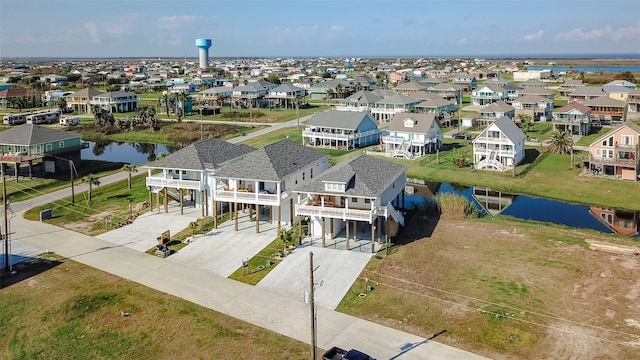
(509, 129)
(29, 134)
(271, 163)
(338, 119)
(604, 101)
(207, 154)
(286, 88)
(365, 176)
(398, 99)
(421, 122)
(362, 97)
(411, 85)
(588, 91)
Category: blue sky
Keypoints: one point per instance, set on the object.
(243, 28)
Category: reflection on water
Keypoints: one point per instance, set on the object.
(126, 152)
(619, 221)
(492, 202)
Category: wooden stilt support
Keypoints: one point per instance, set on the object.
(279, 217)
(181, 194)
(166, 201)
(373, 238)
(346, 232)
(258, 218)
(235, 215)
(324, 226)
(379, 229)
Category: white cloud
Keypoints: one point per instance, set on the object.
(177, 21)
(336, 28)
(606, 33)
(92, 29)
(535, 36)
(462, 41)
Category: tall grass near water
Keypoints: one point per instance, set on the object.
(455, 206)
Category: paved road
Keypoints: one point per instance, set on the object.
(282, 314)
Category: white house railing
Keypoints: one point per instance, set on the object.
(248, 197)
(336, 213)
(156, 181)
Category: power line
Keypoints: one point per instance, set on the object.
(451, 302)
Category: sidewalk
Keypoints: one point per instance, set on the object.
(285, 315)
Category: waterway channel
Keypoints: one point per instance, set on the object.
(491, 202)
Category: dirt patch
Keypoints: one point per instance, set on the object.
(508, 290)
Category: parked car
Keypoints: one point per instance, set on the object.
(461, 136)
(336, 353)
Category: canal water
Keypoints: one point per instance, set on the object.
(491, 202)
(125, 152)
(587, 68)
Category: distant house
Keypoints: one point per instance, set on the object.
(432, 81)
(80, 101)
(409, 88)
(365, 191)
(410, 135)
(615, 154)
(116, 101)
(447, 91)
(341, 130)
(7, 96)
(538, 107)
(633, 101)
(495, 111)
(536, 91)
(360, 101)
(284, 95)
(499, 147)
(487, 94)
(583, 93)
(606, 111)
(328, 89)
(624, 83)
(55, 149)
(574, 118)
(219, 95)
(568, 86)
(249, 96)
(436, 105)
(384, 109)
(617, 92)
(534, 83)
(466, 82)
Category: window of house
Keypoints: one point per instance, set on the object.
(367, 201)
(311, 173)
(355, 200)
(303, 174)
(626, 140)
(61, 144)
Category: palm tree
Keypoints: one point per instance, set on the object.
(165, 98)
(339, 91)
(130, 168)
(560, 142)
(526, 122)
(181, 97)
(62, 104)
(98, 114)
(92, 180)
(297, 101)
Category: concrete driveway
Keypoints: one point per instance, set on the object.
(142, 234)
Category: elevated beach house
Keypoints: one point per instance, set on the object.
(359, 195)
(615, 154)
(53, 150)
(341, 130)
(499, 147)
(412, 134)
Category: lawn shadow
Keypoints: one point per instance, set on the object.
(420, 224)
(25, 268)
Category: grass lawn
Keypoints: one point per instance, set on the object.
(588, 139)
(551, 177)
(25, 189)
(114, 200)
(503, 289)
(65, 310)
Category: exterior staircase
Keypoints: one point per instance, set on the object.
(395, 214)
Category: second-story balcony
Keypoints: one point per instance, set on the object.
(162, 181)
(335, 212)
(246, 196)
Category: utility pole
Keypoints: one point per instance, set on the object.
(73, 194)
(314, 336)
(6, 222)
